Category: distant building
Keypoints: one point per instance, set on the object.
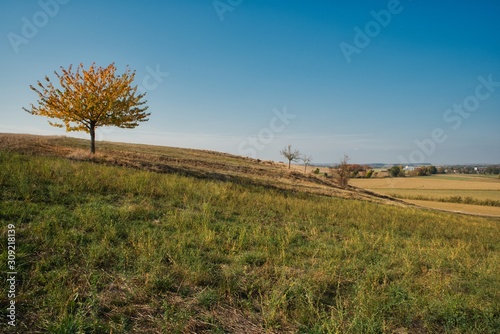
(409, 168)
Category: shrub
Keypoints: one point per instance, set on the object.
(395, 171)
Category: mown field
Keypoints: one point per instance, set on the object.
(110, 249)
(474, 194)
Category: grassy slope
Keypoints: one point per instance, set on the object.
(196, 163)
(104, 248)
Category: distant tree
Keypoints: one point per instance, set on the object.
(316, 171)
(422, 171)
(306, 160)
(492, 170)
(369, 173)
(432, 170)
(394, 171)
(343, 172)
(87, 99)
(290, 154)
(468, 170)
(354, 169)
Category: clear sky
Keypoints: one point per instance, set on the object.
(383, 81)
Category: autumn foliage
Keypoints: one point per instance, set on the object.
(87, 99)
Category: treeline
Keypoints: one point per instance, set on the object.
(451, 199)
(461, 169)
(344, 170)
(419, 171)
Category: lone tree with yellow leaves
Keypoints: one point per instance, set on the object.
(87, 99)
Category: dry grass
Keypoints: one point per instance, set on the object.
(106, 249)
(198, 163)
(459, 208)
(443, 193)
(430, 191)
(434, 182)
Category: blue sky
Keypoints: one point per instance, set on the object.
(249, 77)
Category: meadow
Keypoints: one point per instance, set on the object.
(468, 193)
(114, 249)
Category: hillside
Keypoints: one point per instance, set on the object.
(145, 239)
(196, 163)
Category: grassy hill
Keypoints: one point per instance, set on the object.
(196, 163)
(150, 239)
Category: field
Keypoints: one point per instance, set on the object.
(118, 244)
(473, 194)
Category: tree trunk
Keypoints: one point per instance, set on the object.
(92, 138)
(289, 163)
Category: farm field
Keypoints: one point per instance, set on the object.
(474, 194)
(458, 207)
(124, 243)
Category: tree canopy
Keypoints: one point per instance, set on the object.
(87, 99)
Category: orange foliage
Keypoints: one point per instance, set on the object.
(87, 99)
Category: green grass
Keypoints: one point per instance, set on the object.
(105, 249)
(485, 196)
(466, 177)
(431, 196)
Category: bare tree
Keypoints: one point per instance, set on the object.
(343, 172)
(291, 155)
(306, 159)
